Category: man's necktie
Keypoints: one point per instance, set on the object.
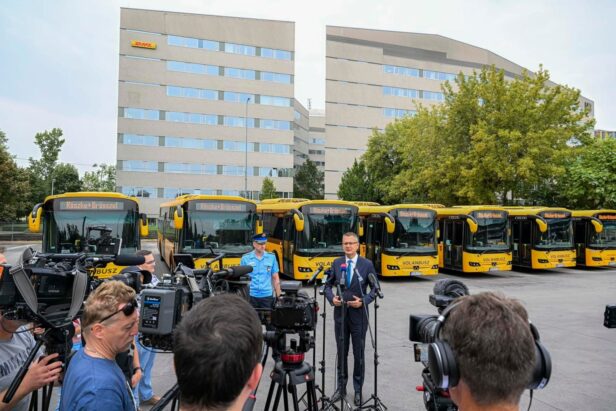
(349, 272)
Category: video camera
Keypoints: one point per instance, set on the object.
(294, 312)
(422, 331)
(163, 306)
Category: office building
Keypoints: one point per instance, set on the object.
(374, 77)
(193, 89)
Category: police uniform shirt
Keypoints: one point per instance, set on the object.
(262, 271)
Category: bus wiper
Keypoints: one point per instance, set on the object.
(317, 255)
(404, 254)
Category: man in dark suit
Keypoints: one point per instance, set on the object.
(352, 271)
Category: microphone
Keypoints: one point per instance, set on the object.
(374, 282)
(121, 259)
(316, 273)
(232, 273)
(343, 268)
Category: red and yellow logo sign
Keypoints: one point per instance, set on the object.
(143, 44)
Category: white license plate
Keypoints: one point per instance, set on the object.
(415, 273)
(559, 265)
(612, 263)
(493, 269)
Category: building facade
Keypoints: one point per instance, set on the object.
(374, 77)
(604, 134)
(193, 90)
(316, 148)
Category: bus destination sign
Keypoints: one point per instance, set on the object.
(415, 214)
(489, 214)
(97, 205)
(556, 214)
(606, 216)
(329, 210)
(220, 206)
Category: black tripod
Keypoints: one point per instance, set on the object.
(341, 373)
(288, 373)
(377, 404)
(172, 396)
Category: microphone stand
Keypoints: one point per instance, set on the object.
(340, 286)
(325, 400)
(378, 404)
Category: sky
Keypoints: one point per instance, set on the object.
(59, 59)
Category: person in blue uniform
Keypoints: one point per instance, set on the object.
(264, 280)
(356, 296)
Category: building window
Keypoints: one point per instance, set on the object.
(433, 96)
(320, 141)
(274, 124)
(193, 43)
(239, 97)
(275, 54)
(274, 148)
(238, 121)
(275, 101)
(143, 192)
(203, 94)
(276, 77)
(240, 49)
(192, 68)
(237, 146)
(139, 140)
(240, 73)
(397, 112)
(195, 118)
(400, 92)
(185, 142)
(235, 170)
(190, 168)
(141, 166)
(402, 71)
(438, 75)
(140, 114)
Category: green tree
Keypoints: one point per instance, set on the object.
(15, 187)
(590, 178)
(356, 184)
(41, 170)
(102, 179)
(492, 140)
(65, 179)
(308, 181)
(268, 189)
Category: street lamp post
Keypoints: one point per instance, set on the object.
(246, 147)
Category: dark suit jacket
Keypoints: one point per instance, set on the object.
(356, 288)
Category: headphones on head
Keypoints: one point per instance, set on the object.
(444, 368)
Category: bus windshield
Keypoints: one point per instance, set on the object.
(226, 231)
(90, 225)
(491, 233)
(606, 238)
(558, 235)
(414, 232)
(324, 227)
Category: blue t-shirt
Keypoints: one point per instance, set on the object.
(95, 384)
(261, 275)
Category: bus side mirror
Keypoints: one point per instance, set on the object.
(542, 224)
(472, 224)
(361, 229)
(390, 224)
(298, 219)
(34, 218)
(597, 224)
(178, 218)
(259, 227)
(438, 233)
(144, 230)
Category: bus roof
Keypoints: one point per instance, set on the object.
(282, 206)
(367, 210)
(591, 213)
(181, 200)
(465, 210)
(99, 194)
(522, 211)
(365, 203)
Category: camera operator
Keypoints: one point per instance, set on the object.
(109, 323)
(143, 391)
(494, 348)
(356, 320)
(217, 351)
(264, 279)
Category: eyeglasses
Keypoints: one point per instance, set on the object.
(350, 243)
(128, 309)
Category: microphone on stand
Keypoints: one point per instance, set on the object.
(374, 282)
(342, 283)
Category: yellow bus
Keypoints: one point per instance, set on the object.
(96, 223)
(198, 227)
(306, 234)
(542, 237)
(400, 239)
(594, 235)
(474, 239)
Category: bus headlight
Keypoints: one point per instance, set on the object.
(543, 261)
(304, 269)
(473, 264)
(393, 267)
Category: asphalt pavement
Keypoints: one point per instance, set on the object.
(566, 305)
